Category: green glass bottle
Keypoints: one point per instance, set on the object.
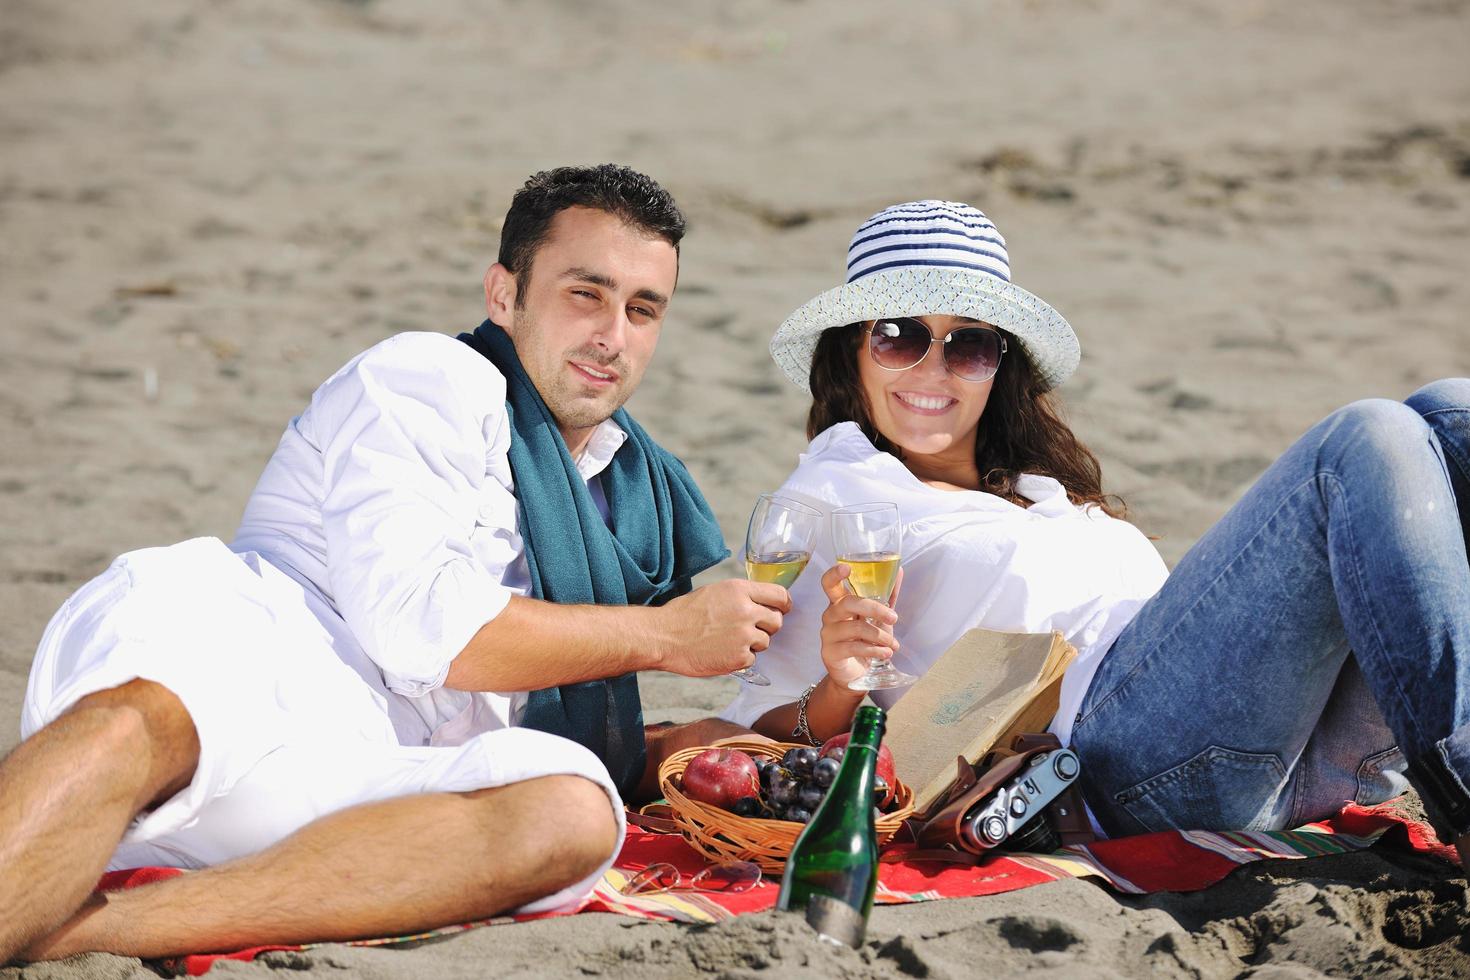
(833, 869)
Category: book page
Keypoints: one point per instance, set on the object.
(966, 702)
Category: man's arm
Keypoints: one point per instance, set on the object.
(405, 432)
(533, 644)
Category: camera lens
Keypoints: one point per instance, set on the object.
(993, 829)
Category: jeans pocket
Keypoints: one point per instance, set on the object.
(1218, 789)
(1381, 777)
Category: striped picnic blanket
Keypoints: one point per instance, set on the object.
(1169, 861)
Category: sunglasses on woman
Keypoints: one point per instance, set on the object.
(970, 353)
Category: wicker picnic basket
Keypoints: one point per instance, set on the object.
(722, 836)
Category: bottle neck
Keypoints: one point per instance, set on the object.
(860, 760)
(867, 729)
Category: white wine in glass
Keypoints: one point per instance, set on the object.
(778, 544)
(782, 568)
(873, 574)
(867, 537)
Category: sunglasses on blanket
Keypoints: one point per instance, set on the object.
(970, 353)
(731, 877)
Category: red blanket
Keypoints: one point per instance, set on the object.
(1172, 861)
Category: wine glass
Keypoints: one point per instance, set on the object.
(867, 538)
(778, 544)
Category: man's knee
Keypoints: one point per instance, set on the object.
(584, 824)
(565, 824)
(140, 709)
(144, 723)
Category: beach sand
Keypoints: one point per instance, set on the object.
(1252, 213)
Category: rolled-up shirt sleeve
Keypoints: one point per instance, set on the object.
(405, 431)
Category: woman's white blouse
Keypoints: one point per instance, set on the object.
(970, 559)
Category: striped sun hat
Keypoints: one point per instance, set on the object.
(930, 257)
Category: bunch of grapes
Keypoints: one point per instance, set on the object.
(793, 786)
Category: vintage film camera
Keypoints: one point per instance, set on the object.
(1023, 800)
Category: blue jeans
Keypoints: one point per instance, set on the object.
(1313, 647)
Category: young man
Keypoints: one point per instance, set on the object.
(404, 695)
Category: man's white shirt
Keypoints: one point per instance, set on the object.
(391, 499)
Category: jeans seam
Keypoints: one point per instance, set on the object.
(1371, 766)
(1447, 410)
(1449, 449)
(1298, 785)
(1178, 771)
(1449, 766)
(1208, 762)
(1355, 566)
(1188, 613)
(1449, 446)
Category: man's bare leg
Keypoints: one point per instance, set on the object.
(388, 868)
(68, 793)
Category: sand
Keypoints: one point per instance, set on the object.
(1252, 213)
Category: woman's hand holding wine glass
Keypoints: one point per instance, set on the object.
(868, 540)
(855, 630)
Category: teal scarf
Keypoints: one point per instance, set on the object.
(662, 534)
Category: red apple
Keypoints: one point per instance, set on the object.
(719, 777)
(885, 761)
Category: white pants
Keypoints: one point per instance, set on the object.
(293, 723)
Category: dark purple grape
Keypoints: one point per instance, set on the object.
(798, 814)
(825, 771)
(777, 773)
(880, 786)
(805, 759)
(810, 796)
(836, 752)
(789, 759)
(747, 806)
(783, 791)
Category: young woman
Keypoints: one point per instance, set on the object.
(1313, 647)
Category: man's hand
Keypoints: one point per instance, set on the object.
(720, 627)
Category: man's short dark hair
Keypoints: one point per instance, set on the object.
(620, 191)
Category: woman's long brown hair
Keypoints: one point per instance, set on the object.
(1021, 430)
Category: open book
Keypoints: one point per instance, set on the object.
(983, 690)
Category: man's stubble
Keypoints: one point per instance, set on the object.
(559, 391)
